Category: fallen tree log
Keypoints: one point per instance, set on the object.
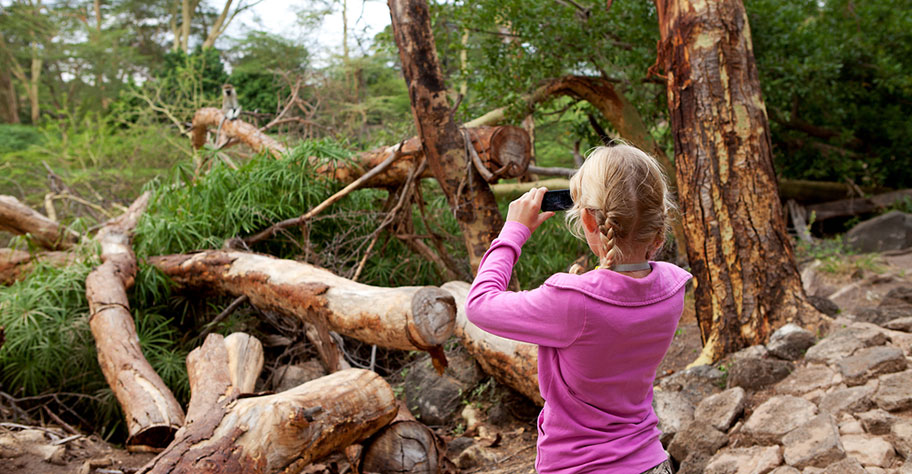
(405, 445)
(17, 264)
(227, 434)
(405, 318)
(210, 117)
(504, 151)
(20, 219)
(151, 411)
(510, 362)
(856, 206)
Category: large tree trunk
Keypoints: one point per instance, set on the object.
(747, 281)
(510, 362)
(18, 218)
(227, 434)
(468, 194)
(504, 150)
(405, 318)
(151, 411)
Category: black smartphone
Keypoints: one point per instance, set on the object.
(557, 200)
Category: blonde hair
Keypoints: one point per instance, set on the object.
(626, 191)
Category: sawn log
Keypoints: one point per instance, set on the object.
(405, 318)
(18, 218)
(226, 433)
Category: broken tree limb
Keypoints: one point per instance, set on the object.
(405, 318)
(17, 264)
(18, 218)
(510, 362)
(210, 117)
(151, 411)
(856, 206)
(505, 149)
(227, 434)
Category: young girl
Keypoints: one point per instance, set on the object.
(601, 334)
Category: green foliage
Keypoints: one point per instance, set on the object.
(14, 137)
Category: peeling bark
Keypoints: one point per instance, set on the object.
(405, 318)
(228, 434)
(152, 413)
(510, 362)
(467, 192)
(18, 218)
(747, 281)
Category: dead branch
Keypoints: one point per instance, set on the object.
(18, 218)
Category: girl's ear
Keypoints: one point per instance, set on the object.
(656, 245)
(589, 222)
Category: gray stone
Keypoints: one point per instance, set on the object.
(849, 425)
(754, 373)
(785, 470)
(901, 435)
(694, 464)
(722, 409)
(900, 324)
(869, 450)
(753, 460)
(906, 468)
(696, 437)
(776, 417)
(290, 376)
(815, 443)
(807, 379)
(883, 315)
(846, 466)
(843, 343)
(432, 398)
(790, 342)
(890, 231)
(458, 445)
(852, 399)
(824, 305)
(870, 362)
(695, 383)
(899, 296)
(894, 392)
(752, 352)
(674, 411)
(876, 421)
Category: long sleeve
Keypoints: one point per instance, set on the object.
(548, 316)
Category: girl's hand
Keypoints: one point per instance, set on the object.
(527, 209)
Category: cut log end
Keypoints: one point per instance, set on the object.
(404, 446)
(433, 317)
(512, 149)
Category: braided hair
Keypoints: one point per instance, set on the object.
(626, 192)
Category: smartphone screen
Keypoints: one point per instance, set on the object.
(558, 200)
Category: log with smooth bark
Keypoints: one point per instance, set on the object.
(227, 434)
(18, 218)
(406, 318)
(209, 118)
(17, 264)
(510, 362)
(151, 411)
(747, 282)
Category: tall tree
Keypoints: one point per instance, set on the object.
(747, 280)
(27, 30)
(467, 192)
